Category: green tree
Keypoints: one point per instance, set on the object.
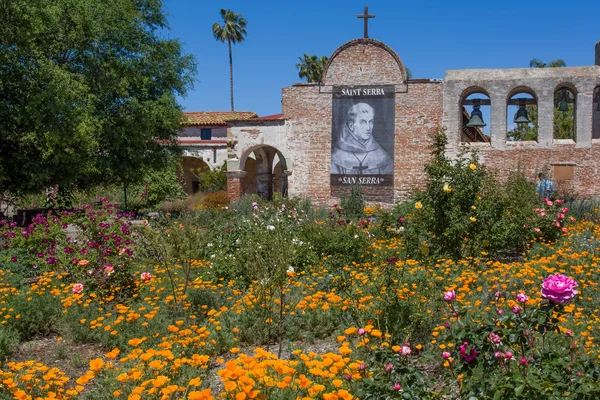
(232, 30)
(311, 67)
(536, 63)
(87, 92)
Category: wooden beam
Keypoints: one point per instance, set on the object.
(511, 102)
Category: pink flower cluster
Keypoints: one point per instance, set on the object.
(559, 289)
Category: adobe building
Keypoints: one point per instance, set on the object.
(367, 124)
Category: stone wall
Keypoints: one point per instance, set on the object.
(547, 153)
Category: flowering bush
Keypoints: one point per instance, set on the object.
(523, 352)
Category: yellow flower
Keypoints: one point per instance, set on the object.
(473, 219)
(418, 205)
(447, 188)
(473, 167)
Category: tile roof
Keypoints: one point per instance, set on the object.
(216, 117)
(269, 117)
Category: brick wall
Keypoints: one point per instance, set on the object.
(308, 110)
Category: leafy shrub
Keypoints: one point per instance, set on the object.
(9, 339)
(466, 211)
(213, 180)
(353, 205)
(215, 199)
(516, 349)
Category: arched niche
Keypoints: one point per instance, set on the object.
(522, 115)
(565, 112)
(265, 168)
(475, 110)
(596, 114)
(191, 167)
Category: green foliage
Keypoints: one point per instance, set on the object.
(89, 92)
(9, 339)
(353, 205)
(213, 180)
(465, 210)
(311, 67)
(525, 131)
(520, 354)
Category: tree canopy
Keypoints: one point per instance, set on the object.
(311, 67)
(231, 30)
(87, 91)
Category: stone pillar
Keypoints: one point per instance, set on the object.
(545, 118)
(598, 53)
(264, 185)
(235, 185)
(583, 120)
(497, 122)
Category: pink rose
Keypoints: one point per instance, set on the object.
(559, 288)
(146, 276)
(361, 332)
(522, 297)
(445, 355)
(397, 386)
(449, 296)
(77, 288)
(508, 355)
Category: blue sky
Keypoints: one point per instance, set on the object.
(430, 36)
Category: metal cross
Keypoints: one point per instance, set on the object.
(366, 17)
(361, 168)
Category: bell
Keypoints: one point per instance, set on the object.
(563, 106)
(522, 117)
(476, 120)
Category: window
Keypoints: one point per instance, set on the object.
(205, 134)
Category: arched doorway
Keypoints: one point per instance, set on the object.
(265, 169)
(190, 168)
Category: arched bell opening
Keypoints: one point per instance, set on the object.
(265, 168)
(565, 111)
(191, 168)
(475, 116)
(522, 115)
(596, 114)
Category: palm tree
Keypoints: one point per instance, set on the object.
(232, 30)
(536, 63)
(311, 67)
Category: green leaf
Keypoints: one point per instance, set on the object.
(519, 389)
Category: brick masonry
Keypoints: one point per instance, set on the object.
(303, 134)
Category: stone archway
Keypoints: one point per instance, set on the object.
(264, 168)
(190, 166)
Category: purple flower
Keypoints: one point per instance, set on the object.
(467, 354)
(559, 289)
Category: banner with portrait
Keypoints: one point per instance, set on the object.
(362, 137)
